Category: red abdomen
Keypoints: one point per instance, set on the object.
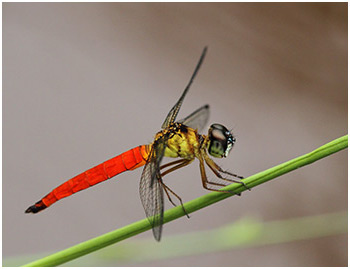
(128, 160)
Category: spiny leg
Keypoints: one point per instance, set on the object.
(180, 163)
(166, 191)
(219, 186)
(216, 169)
(205, 180)
(231, 174)
(166, 188)
(170, 164)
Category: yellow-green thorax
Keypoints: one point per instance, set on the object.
(183, 141)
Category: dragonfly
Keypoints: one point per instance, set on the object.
(177, 139)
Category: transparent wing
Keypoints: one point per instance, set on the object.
(198, 119)
(175, 110)
(151, 189)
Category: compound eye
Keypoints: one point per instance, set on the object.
(220, 141)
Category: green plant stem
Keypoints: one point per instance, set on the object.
(247, 232)
(191, 206)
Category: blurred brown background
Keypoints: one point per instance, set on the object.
(83, 82)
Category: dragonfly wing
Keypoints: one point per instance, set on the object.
(198, 119)
(151, 189)
(175, 110)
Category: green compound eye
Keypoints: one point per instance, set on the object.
(216, 149)
(221, 141)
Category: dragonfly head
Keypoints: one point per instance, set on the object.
(221, 141)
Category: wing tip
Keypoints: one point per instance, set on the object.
(157, 233)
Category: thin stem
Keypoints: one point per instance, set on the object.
(191, 206)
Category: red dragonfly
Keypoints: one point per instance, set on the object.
(177, 140)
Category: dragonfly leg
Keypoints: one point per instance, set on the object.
(180, 163)
(166, 188)
(170, 164)
(212, 188)
(206, 182)
(216, 169)
(231, 174)
(167, 194)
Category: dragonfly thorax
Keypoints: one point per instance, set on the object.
(221, 141)
(183, 141)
